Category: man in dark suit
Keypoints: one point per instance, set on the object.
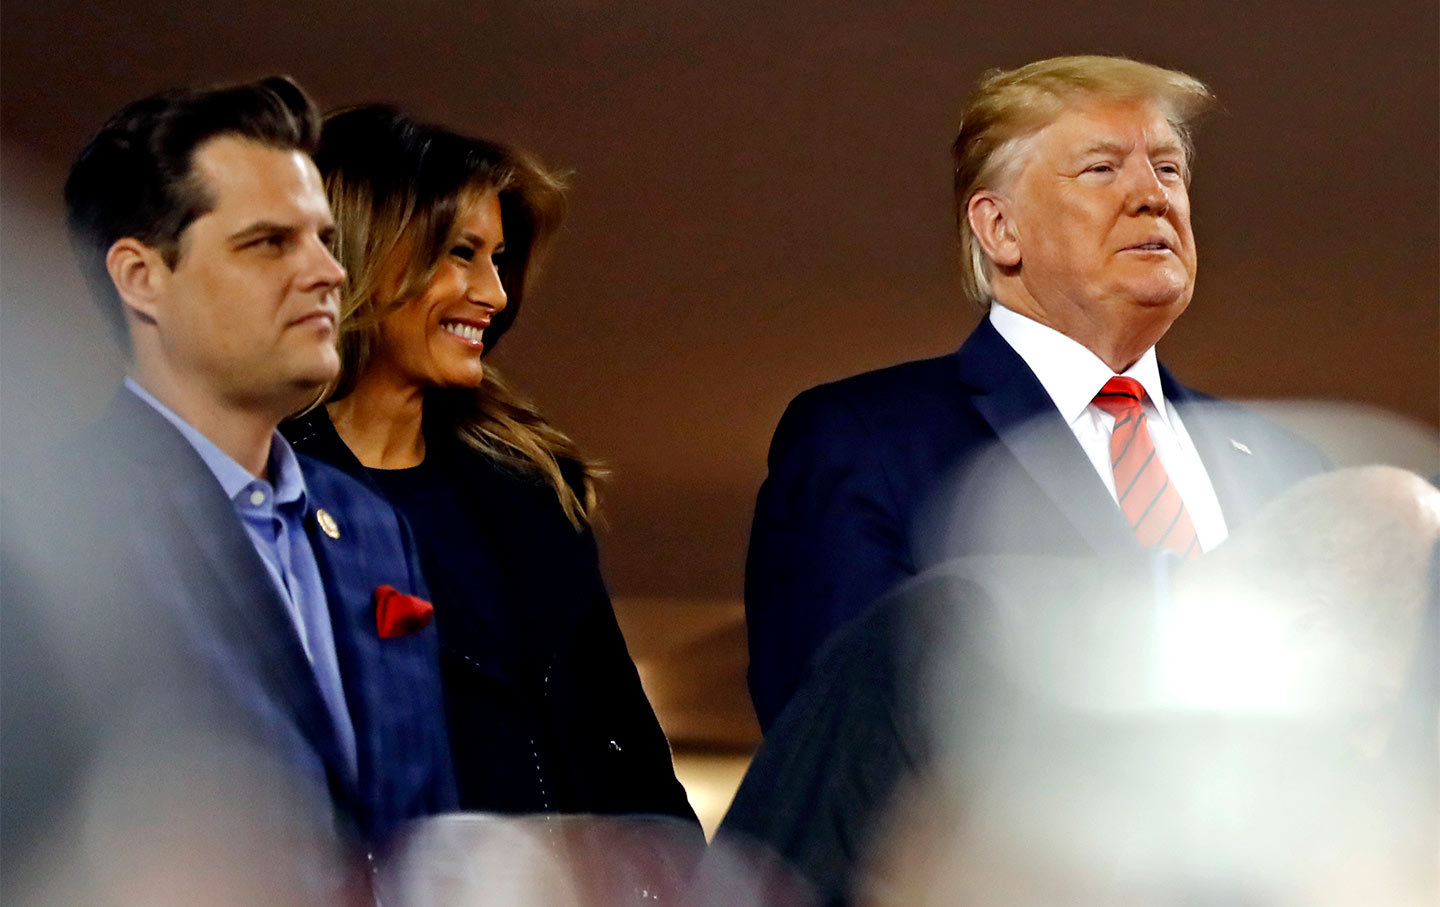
(1071, 185)
(184, 538)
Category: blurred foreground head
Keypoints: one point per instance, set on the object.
(1278, 714)
(1323, 596)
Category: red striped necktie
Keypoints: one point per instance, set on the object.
(1147, 497)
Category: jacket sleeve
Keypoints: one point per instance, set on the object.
(827, 541)
(612, 755)
(613, 739)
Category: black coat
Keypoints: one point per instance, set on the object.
(545, 706)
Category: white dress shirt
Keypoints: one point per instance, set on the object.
(1072, 376)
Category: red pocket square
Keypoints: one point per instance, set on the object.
(397, 614)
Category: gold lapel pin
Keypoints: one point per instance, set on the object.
(1240, 447)
(332, 528)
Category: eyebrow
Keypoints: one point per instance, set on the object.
(267, 227)
(479, 241)
(1169, 146)
(260, 228)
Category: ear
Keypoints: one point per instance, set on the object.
(990, 221)
(140, 275)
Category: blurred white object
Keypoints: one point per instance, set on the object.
(552, 860)
(1358, 434)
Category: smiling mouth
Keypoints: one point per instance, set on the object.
(463, 330)
(1152, 246)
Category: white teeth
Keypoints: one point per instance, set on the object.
(467, 331)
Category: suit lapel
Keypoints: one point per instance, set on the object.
(235, 593)
(1015, 405)
(340, 560)
(357, 642)
(1233, 465)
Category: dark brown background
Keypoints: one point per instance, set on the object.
(762, 202)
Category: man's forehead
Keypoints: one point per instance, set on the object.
(250, 167)
(244, 179)
(1087, 124)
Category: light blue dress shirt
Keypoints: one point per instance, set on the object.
(274, 519)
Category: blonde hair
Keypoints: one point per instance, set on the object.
(1011, 106)
(398, 189)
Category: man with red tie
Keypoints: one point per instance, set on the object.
(1052, 437)
(1072, 198)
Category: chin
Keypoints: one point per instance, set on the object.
(467, 381)
(299, 393)
(326, 372)
(1159, 288)
(1163, 303)
(320, 365)
(1162, 295)
(317, 369)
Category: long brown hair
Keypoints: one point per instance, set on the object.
(398, 187)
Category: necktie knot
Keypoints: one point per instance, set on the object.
(1151, 505)
(1120, 396)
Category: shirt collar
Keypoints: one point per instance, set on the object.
(283, 467)
(285, 472)
(1070, 373)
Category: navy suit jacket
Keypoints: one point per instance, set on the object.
(877, 477)
(145, 534)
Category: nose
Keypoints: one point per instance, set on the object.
(1146, 194)
(484, 286)
(325, 272)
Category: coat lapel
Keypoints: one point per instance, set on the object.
(340, 559)
(1018, 410)
(1233, 460)
(225, 578)
(356, 640)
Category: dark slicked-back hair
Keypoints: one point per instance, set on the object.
(135, 177)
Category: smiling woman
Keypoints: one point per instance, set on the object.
(436, 338)
(439, 233)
